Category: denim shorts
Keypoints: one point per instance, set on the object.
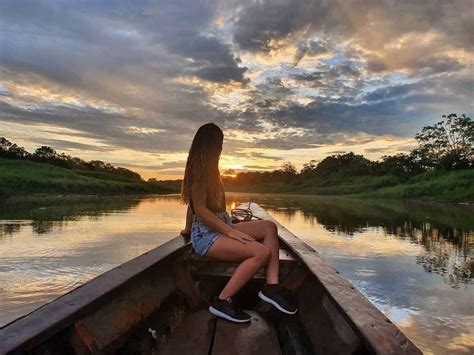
(203, 236)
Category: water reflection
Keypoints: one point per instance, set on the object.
(445, 231)
(49, 246)
(47, 213)
(412, 260)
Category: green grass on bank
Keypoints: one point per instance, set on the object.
(344, 185)
(326, 186)
(20, 177)
(454, 186)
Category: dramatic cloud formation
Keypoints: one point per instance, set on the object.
(130, 81)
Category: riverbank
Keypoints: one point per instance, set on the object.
(21, 177)
(449, 186)
(24, 178)
(453, 186)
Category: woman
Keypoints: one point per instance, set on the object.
(254, 244)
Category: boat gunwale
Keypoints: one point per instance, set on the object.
(45, 321)
(372, 327)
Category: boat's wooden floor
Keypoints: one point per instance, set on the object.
(202, 333)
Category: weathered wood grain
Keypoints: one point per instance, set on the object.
(256, 337)
(193, 336)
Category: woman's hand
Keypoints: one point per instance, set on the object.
(240, 236)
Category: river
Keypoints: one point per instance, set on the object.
(413, 260)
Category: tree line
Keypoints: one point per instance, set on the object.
(446, 145)
(45, 154)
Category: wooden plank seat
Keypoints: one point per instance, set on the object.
(205, 266)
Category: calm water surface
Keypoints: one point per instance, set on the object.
(414, 261)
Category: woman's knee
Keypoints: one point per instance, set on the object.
(271, 229)
(271, 226)
(262, 253)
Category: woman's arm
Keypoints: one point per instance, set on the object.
(189, 222)
(199, 196)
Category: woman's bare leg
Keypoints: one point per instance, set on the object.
(253, 255)
(265, 232)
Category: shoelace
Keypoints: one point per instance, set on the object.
(236, 308)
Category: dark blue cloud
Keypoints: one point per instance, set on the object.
(61, 41)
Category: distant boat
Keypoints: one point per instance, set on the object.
(157, 304)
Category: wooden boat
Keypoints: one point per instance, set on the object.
(157, 304)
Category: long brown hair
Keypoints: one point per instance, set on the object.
(202, 166)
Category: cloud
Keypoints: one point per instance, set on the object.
(374, 29)
(97, 124)
(61, 145)
(264, 156)
(259, 167)
(311, 48)
(278, 75)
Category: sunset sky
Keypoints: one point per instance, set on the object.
(129, 82)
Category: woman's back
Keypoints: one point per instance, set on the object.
(216, 208)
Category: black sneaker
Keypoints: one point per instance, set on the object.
(278, 296)
(228, 310)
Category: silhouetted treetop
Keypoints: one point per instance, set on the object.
(448, 144)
